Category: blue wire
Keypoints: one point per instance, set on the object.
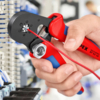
(4, 77)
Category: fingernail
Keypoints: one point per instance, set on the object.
(70, 43)
(69, 69)
(78, 77)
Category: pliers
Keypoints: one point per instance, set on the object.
(53, 26)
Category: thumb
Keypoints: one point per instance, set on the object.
(74, 38)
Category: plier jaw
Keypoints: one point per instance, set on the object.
(20, 22)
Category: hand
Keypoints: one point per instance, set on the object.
(66, 79)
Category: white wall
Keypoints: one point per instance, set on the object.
(49, 7)
(82, 8)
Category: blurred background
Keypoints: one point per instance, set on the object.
(14, 57)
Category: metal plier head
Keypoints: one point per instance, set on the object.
(20, 22)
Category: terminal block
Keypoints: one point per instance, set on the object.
(24, 94)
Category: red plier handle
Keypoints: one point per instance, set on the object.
(59, 30)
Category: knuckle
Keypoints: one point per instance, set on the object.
(74, 27)
(77, 28)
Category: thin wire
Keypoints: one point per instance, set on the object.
(64, 53)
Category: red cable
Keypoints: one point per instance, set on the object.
(64, 53)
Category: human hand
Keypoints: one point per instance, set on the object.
(66, 79)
